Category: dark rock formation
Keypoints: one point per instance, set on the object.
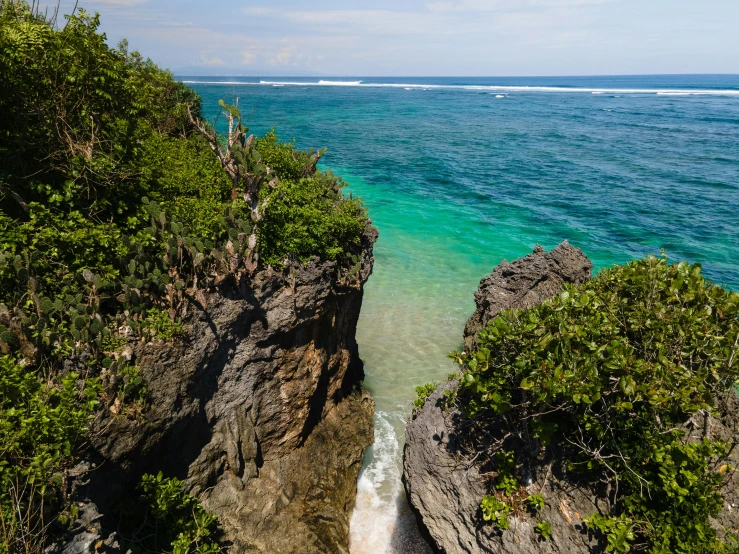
(260, 410)
(526, 282)
(443, 489)
(443, 482)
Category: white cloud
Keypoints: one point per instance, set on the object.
(453, 6)
(117, 2)
(260, 11)
(248, 57)
(210, 61)
(177, 23)
(362, 22)
(284, 56)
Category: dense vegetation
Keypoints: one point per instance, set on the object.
(118, 205)
(606, 375)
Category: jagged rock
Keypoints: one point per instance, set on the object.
(443, 489)
(86, 534)
(525, 282)
(443, 481)
(260, 410)
(445, 492)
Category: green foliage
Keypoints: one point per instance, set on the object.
(132, 386)
(544, 530)
(164, 518)
(619, 531)
(422, 393)
(506, 479)
(161, 326)
(115, 214)
(496, 512)
(41, 422)
(283, 158)
(309, 217)
(608, 371)
(535, 502)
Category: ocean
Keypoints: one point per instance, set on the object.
(461, 173)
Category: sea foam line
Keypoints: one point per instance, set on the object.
(381, 523)
(492, 88)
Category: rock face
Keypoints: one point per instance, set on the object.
(260, 410)
(525, 282)
(444, 490)
(444, 485)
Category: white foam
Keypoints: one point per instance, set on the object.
(340, 83)
(379, 524)
(492, 88)
(376, 511)
(500, 95)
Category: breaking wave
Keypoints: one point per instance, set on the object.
(491, 88)
(381, 522)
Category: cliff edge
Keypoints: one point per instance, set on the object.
(260, 410)
(443, 486)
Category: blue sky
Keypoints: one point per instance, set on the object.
(428, 37)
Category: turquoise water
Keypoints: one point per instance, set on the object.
(459, 174)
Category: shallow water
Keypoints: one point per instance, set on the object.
(458, 177)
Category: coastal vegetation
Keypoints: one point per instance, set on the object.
(602, 381)
(119, 206)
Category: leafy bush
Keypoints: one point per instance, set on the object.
(115, 212)
(535, 502)
(422, 393)
(496, 512)
(310, 217)
(544, 530)
(160, 325)
(41, 422)
(607, 372)
(132, 386)
(164, 518)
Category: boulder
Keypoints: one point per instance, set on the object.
(525, 282)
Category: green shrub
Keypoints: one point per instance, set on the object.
(310, 217)
(496, 512)
(283, 158)
(535, 502)
(132, 386)
(162, 517)
(115, 213)
(41, 422)
(608, 371)
(160, 325)
(422, 393)
(544, 530)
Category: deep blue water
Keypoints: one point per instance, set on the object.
(459, 174)
(619, 174)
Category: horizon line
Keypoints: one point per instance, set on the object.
(319, 75)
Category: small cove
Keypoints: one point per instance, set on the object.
(457, 180)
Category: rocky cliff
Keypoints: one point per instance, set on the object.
(444, 486)
(525, 282)
(259, 409)
(445, 482)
